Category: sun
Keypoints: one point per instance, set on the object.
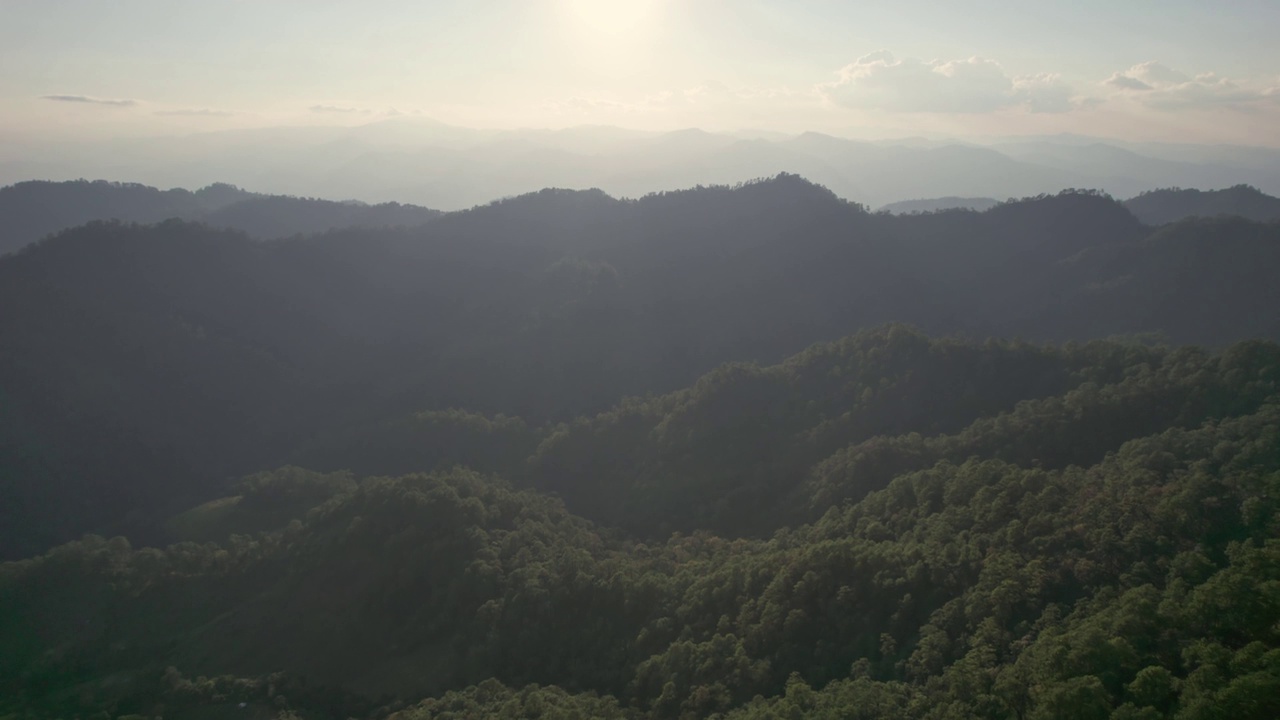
(610, 19)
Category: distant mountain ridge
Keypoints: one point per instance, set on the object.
(416, 160)
(936, 204)
(33, 209)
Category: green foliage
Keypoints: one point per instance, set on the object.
(492, 699)
(884, 527)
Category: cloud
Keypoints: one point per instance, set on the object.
(879, 81)
(198, 112)
(1044, 93)
(89, 100)
(713, 94)
(578, 103)
(1163, 88)
(707, 104)
(338, 109)
(1154, 73)
(1125, 82)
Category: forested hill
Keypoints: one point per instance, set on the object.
(32, 210)
(143, 365)
(1160, 207)
(942, 529)
(35, 209)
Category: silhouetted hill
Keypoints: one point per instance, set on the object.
(1160, 207)
(32, 210)
(143, 365)
(35, 209)
(278, 216)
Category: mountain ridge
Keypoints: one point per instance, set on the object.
(417, 161)
(1160, 207)
(36, 209)
(179, 354)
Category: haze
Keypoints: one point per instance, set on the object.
(447, 103)
(639, 359)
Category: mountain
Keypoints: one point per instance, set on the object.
(987, 530)
(144, 365)
(1124, 171)
(35, 209)
(417, 160)
(276, 216)
(1160, 207)
(937, 204)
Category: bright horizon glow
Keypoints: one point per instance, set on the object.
(600, 20)
(1179, 71)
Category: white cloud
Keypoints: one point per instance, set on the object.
(879, 81)
(1044, 93)
(1154, 73)
(197, 112)
(578, 104)
(90, 100)
(1164, 88)
(340, 109)
(1125, 82)
(716, 95)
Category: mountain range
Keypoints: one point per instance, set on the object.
(742, 451)
(143, 365)
(416, 160)
(33, 209)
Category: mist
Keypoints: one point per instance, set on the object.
(639, 360)
(447, 167)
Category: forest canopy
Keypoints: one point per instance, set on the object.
(937, 529)
(731, 452)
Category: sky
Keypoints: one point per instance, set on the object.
(1167, 70)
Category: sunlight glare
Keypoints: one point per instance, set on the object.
(610, 19)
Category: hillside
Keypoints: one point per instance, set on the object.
(994, 530)
(145, 365)
(639, 360)
(1160, 207)
(35, 209)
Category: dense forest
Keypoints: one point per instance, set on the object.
(1160, 207)
(887, 526)
(35, 209)
(735, 452)
(143, 364)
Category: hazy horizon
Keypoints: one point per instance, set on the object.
(449, 167)
(1181, 72)
(450, 104)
